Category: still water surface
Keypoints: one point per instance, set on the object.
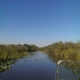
(37, 66)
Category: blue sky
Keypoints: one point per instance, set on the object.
(39, 22)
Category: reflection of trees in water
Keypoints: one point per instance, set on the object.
(10, 53)
(64, 51)
(5, 65)
(70, 64)
(75, 66)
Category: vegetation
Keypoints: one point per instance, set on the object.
(65, 51)
(75, 66)
(56, 51)
(10, 53)
(60, 50)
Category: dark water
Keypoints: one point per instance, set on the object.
(67, 74)
(35, 66)
(38, 66)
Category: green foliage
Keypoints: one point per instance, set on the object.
(67, 50)
(11, 53)
(75, 66)
(15, 51)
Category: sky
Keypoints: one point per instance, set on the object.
(39, 22)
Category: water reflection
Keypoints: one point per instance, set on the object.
(6, 60)
(6, 65)
(67, 69)
(36, 66)
(39, 66)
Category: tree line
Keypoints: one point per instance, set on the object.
(9, 54)
(63, 50)
(12, 51)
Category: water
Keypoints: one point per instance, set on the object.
(40, 66)
(65, 73)
(35, 66)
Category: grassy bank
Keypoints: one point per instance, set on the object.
(8, 52)
(66, 50)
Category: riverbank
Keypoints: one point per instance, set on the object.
(66, 50)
